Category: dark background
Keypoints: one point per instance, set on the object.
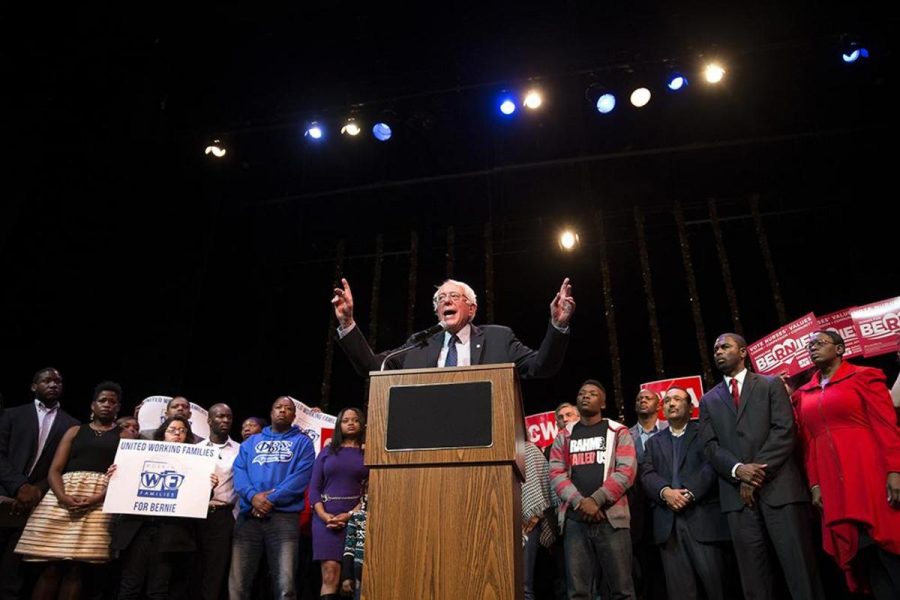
(127, 254)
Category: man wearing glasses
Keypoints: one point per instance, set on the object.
(461, 343)
(747, 427)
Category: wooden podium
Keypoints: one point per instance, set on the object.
(446, 449)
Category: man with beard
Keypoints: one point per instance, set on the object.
(747, 426)
(647, 562)
(214, 533)
(29, 435)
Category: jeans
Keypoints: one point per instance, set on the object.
(278, 535)
(590, 544)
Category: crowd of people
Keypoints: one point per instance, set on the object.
(724, 506)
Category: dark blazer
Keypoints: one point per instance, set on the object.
(489, 344)
(18, 445)
(761, 431)
(705, 518)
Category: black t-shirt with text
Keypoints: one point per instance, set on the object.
(587, 446)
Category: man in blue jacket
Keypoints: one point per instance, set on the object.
(271, 473)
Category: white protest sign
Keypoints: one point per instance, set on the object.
(161, 479)
(153, 413)
(318, 426)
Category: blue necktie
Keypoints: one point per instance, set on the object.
(451, 352)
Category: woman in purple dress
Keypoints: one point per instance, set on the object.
(334, 492)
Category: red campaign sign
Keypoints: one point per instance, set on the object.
(541, 428)
(327, 434)
(878, 326)
(784, 351)
(841, 323)
(693, 384)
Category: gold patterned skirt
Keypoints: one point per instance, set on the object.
(54, 532)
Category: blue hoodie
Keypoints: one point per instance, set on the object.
(281, 462)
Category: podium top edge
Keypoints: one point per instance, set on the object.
(492, 367)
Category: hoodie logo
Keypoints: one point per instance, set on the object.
(269, 451)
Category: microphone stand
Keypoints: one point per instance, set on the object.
(400, 351)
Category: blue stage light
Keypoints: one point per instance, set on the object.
(382, 132)
(606, 103)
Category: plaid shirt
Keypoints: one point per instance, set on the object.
(611, 495)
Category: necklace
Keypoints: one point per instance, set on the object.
(100, 432)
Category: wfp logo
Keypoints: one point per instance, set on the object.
(268, 451)
(159, 480)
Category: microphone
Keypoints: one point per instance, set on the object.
(414, 341)
(423, 335)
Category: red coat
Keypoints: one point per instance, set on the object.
(851, 442)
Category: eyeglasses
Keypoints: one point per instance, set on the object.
(454, 296)
(176, 430)
(813, 344)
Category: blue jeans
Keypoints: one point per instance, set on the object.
(278, 535)
(589, 545)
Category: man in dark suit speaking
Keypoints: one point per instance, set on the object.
(747, 426)
(458, 342)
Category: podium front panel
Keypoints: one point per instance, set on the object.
(439, 416)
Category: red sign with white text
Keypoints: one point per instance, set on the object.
(541, 428)
(784, 351)
(693, 384)
(878, 326)
(841, 323)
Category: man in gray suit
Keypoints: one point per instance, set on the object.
(688, 524)
(747, 426)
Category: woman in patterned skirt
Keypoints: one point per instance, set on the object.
(68, 528)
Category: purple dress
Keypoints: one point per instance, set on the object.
(334, 476)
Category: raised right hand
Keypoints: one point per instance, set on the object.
(343, 304)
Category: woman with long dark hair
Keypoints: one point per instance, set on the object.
(334, 492)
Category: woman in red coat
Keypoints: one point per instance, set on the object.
(852, 449)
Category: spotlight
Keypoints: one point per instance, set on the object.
(714, 73)
(600, 98)
(506, 103)
(676, 81)
(351, 127)
(568, 240)
(640, 97)
(533, 99)
(382, 131)
(314, 131)
(606, 103)
(853, 52)
(217, 149)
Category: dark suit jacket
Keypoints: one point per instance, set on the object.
(705, 517)
(18, 445)
(761, 431)
(489, 344)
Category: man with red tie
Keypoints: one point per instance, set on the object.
(747, 427)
